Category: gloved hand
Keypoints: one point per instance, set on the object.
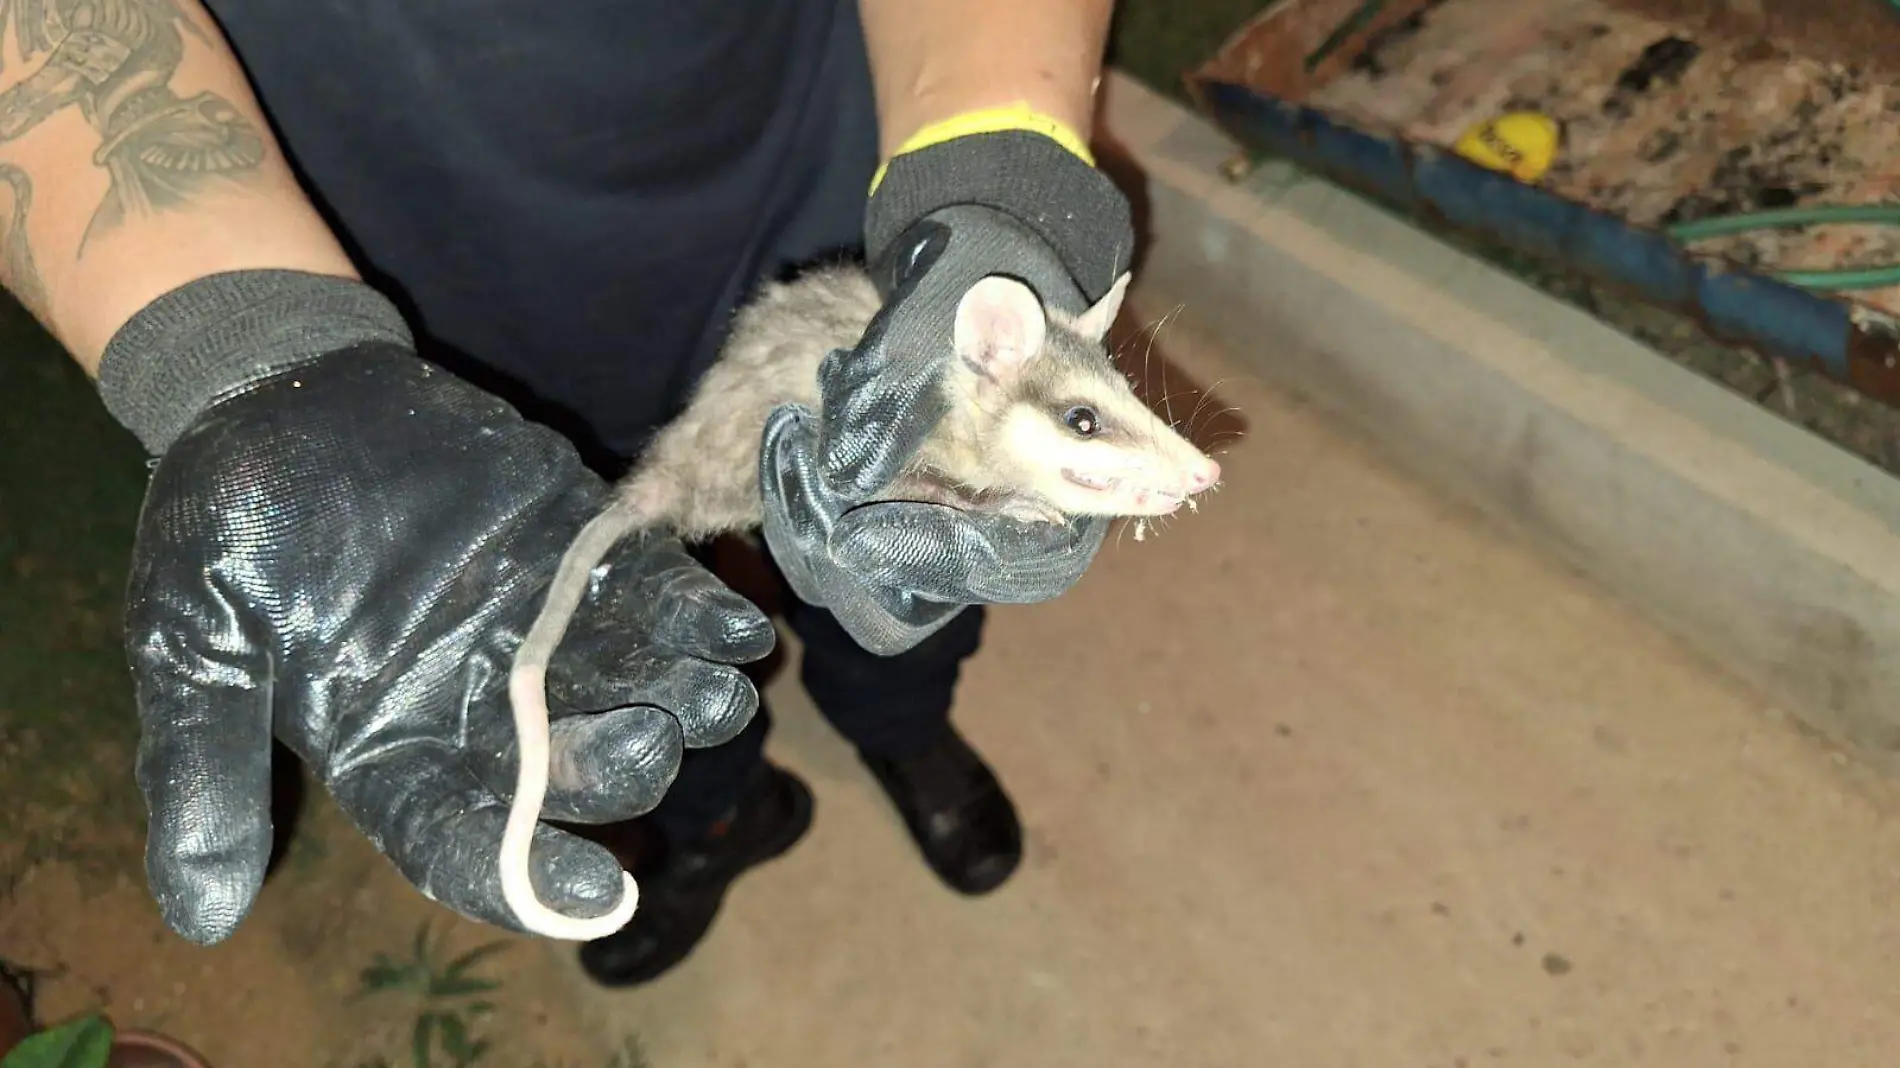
(342, 546)
(943, 215)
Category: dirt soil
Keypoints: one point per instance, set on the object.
(1865, 32)
(311, 977)
(1331, 773)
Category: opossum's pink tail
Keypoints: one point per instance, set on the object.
(527, 693)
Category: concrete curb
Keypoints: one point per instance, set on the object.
(1770, 550)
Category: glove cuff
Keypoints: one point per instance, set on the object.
(1018, 116)
(218, 334)
(1021, 164)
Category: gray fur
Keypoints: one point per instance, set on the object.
(700, 475)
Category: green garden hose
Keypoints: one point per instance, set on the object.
(1836, 280)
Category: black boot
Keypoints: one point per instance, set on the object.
(683, 884)
(956, 811)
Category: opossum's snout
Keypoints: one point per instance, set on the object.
(1152, 477)
(1146, 489)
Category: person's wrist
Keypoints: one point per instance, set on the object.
(1017, 161)
(1019, 116)
(213, 336)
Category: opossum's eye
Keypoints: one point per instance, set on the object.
(1082, 420)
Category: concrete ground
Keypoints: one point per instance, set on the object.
(1328, 774)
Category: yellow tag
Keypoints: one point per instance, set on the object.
(1018, 116)
(1522, 144)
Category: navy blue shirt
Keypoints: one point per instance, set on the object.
(569, 198)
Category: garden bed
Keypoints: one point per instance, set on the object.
(1669, 114)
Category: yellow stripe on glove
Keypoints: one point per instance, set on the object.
(1017, 116)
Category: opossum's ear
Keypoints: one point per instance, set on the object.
(1094, 323)
(1000, 327)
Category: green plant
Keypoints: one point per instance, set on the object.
(82, 1043)
(443, 1035)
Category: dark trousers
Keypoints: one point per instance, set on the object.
(885, 706)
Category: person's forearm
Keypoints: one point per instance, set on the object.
(115, 195)
(934, 59)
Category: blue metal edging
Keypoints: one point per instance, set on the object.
(1734, 303)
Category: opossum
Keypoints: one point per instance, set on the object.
(1040, 423)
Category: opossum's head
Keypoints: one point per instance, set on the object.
(1067, 424)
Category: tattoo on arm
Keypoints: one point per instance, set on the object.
(114, 60)
(27, 285)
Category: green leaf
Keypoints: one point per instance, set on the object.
(82, 1043)
(454, 1036)
(384, 974)
(420, 1040)
(468, 960)
(447, 987)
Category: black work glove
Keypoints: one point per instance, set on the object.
(893, 573)
(342, 546)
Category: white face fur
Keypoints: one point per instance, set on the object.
(1072, 429)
